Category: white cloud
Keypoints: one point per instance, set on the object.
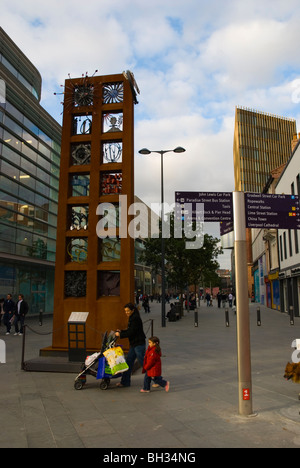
(250, 54)
(194, 61)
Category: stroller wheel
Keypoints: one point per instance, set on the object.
(104, 384)
(78, 385)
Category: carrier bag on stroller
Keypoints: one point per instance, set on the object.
(116, 360)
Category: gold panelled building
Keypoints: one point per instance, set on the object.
(262, 142)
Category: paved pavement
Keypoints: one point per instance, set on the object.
(43, 410)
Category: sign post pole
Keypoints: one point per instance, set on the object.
(242, 307)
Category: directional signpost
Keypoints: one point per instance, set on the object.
(217, 205)
(238, 211)
(268, 211)
(226, 227)
(242, 307)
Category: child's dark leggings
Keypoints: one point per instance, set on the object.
(158, 380)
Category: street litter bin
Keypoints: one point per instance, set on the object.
(178, 310)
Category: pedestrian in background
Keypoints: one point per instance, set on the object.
(21, 310)
(219, 297)
(1, 310)
(207, 297)
(8, 308)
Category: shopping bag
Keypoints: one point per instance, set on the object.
(104, 371)
(116, 360)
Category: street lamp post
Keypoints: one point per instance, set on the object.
(179, 149)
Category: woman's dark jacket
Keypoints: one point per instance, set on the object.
(134, 332)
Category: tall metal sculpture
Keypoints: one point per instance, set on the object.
(97, 166)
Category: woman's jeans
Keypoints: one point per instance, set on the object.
(136, 352)
(157, 380)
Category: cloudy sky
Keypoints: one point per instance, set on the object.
(193, 60)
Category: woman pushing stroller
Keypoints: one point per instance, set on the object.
(151, 361)
(137, 341)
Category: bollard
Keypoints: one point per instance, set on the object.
(227, 317)
(23, 367)
(292, 315)
(196, 318)
(41, 317)
(258, 317)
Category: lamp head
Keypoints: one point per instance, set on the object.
(179, 149)
(144, 151)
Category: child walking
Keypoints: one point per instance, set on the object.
(152, 366)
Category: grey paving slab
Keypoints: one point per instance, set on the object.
(43, 410)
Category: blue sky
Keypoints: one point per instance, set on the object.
(193, 60)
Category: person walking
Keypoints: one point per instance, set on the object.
(219, 298)
(207, 297)
(21, 310)
(1, 310)
(136, 337)
(8, 308)
(152, 367)
(224, 299)
(146, 304)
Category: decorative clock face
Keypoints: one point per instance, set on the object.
(83, 95)
(81, 154)
(113, 93)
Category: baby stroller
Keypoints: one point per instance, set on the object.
(97, 366)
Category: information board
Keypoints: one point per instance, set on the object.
(269, 211)
(78, 317)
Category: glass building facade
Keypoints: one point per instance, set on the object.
(29, 178)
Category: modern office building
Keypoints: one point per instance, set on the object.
(262, 142)
(29, 176)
